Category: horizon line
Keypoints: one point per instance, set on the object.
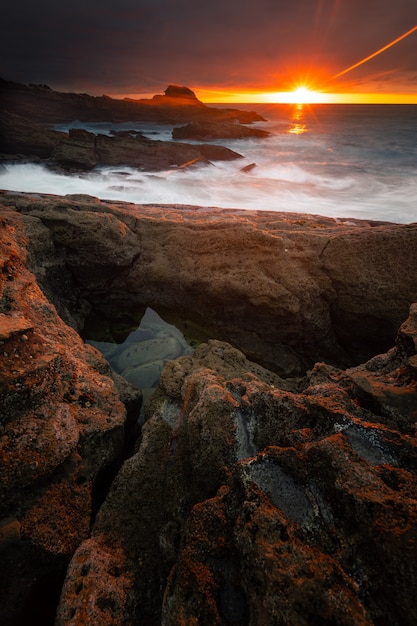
(290, 97)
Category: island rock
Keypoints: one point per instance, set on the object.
(203, 131)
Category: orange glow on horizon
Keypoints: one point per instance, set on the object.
(304, 91)
(304, 95)
(268, 96)
(314, 88)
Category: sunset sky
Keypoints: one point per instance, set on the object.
(225, 50)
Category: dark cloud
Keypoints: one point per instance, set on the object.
(140, 46)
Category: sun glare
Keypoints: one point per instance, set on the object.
(299, 95)
(303, 95)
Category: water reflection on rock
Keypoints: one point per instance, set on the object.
(141, 357)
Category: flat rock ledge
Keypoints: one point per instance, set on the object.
(276, 489)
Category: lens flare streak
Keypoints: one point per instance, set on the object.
(374, 54)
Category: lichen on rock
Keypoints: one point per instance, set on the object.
(247, 497)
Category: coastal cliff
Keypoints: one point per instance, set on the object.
(271, 478)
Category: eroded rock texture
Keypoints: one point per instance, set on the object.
(62, 427)
(287, 289)
(250, 503)
(249, 498)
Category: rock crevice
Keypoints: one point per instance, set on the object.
(251, 495)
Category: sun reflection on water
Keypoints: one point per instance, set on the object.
(297, 121)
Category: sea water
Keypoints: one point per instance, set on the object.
(357, 161)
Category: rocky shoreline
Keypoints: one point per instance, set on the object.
(28, 112)
(272, 476)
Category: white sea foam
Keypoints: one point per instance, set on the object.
(354, 164)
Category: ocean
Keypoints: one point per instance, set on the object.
(343, 161)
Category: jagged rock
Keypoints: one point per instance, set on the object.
(81, 150)
(21, 136)
(251, 504)
(203, 131)
(85, 150)
(249, 499)
(62, 427)
(407, 334)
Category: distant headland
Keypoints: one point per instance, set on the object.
(29, 111)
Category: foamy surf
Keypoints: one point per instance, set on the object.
(345, 162)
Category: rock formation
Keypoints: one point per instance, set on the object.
(81, 150)
(204, 131)
(247, 498)
(26, 113)
(63, 429)
(286, 289)
(247, 503)
(176, 105)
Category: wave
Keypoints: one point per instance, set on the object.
(341, 161)
(287, 188)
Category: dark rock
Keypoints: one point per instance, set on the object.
(248, 168)
(82, 150)
(22, 136)
(247, 503)
(174, 91)
(77, 150)
(178, 104)
(203, 131)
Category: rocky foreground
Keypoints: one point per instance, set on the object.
(272, 479)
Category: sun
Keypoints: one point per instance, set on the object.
(301, 94)
(304, 95)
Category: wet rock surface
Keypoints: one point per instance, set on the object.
(80, 150)
(27, 113)
(203, 131)
(247, 498)
(139, 359)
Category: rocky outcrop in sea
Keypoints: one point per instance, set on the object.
(206, 131)
(81, 150)
(271, 476)
(27, 113)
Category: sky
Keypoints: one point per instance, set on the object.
(225, 50)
